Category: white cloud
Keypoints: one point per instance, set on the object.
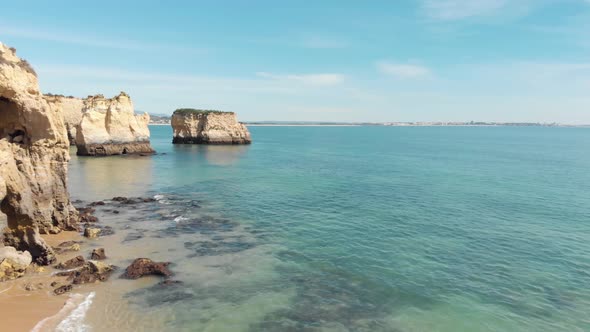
(311, 79)
(460, 9)
(406, 71)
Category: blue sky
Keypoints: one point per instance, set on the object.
(422, 60)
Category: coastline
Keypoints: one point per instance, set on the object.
(23, 309)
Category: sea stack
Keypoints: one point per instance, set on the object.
(33, 161)
(193, 126)
(71, 109)
(110, 127)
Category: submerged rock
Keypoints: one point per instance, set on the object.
(145, 266)
(34, 153)
(71, 263)
(91, 232)
(67, 246)
(62, 289)
(98, 254)
(91, 271)
(86, 215)
(110, 127)
(208, 127)
(13, 263)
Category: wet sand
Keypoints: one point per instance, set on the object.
(22, 309)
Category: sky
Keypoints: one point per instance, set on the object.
(373, 61)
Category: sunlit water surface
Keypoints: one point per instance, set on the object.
(351, 229)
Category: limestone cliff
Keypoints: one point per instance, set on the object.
(71, 109)
(208, 127)
(110, 127)
(33, 161)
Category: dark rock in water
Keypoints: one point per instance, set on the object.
(145, 266)
(71, 263)
(86, 215)
(62, 289)
(68, 243)
(119, 199)
(149, 200)
(33, 287)
(67, 246)
(90, 272)
(91, 232)
(215, 248)
(97, 203)
(98, 254)
(116, 212)
(133, 236)
(169, 282)
(97, 230)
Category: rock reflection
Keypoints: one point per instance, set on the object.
(224, 155)
(106, 177)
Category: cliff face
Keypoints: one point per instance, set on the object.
(71, 109)
(110, 127)
(202, 127)
(33, 161)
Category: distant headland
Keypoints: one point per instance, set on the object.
(163, 119)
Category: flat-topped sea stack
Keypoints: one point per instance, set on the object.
(193, 126)
(71, 109)
(110, 127)
(33, 161)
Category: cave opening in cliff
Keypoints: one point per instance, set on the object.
(11, 128)
(124, 151)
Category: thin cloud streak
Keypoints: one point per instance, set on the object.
(404, 71)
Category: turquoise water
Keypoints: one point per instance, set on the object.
(365, 228)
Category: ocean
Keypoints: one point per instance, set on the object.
(349, 229)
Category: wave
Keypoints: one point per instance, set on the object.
(74, 312)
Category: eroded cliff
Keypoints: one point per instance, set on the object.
(71, 109)
(33, 161)
(208, 127)
(110, 127)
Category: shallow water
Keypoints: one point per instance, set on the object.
(351, 229)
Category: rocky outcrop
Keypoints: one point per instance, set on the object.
(110, 127)
(145, 266)
(208, 127)
(71, 109)
(33, 161)
(13, 263)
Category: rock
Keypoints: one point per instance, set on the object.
(13, 263)
(98, 254)
(67, 246)
(33, 172)
(91, 232)
(208, 127)
(110, 127)
(91, 271)
(55, 284)
(28, 238)
(97, 203)
(145, 266)
(33, 287)
(71, 263)
(169, 282)
(62, 289)
(86, 215)
(70, 109)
